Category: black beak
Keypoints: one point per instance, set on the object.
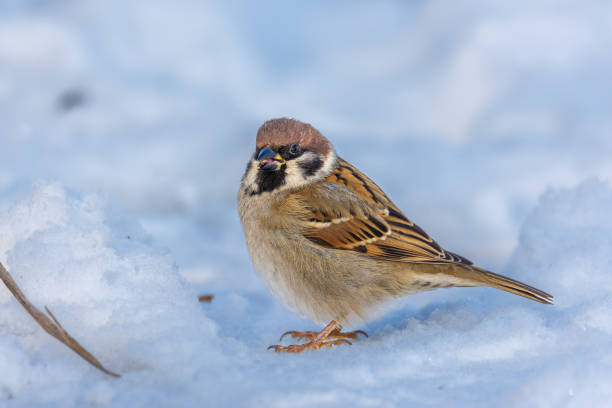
(269, 160)
(266, 153)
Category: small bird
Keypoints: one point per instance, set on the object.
(330, 243)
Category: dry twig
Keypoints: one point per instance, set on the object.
(51, 326)
(206, 298)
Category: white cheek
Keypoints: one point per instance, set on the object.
(294, 174)
(294, 177)
(328, 165)
(250, 178)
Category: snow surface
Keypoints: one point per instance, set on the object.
(124, 299)
(124, 129)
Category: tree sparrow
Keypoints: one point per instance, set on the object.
(331, 244)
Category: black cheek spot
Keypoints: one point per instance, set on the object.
(310, 167)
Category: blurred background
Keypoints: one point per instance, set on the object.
(464, 112)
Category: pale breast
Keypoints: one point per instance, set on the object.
(311, 280)
(270, 247)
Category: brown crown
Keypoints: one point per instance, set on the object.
(285, 132)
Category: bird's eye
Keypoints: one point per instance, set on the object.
(295, 149)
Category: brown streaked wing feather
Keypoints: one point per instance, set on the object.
(369, 223)
(353, 234)
(345, 174)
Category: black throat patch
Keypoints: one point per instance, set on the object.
(269, 180)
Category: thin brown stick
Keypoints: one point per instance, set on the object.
(51, 326)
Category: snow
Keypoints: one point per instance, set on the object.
(124, 130)
(123, 298)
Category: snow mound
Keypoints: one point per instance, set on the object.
(567, 243)
(115, 293)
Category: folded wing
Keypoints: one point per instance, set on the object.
(350, 212)
(367, 222)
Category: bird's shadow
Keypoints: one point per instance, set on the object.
(403, 318)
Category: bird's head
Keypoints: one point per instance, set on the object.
(288, 155)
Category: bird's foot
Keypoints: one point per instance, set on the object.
(311, 345)
(336, 334)
(317, 340)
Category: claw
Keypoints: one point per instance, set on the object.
(361, 332)
(310, 335)
(354, 334)
(294, 348)
(347, 335)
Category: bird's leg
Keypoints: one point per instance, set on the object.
(318, 339)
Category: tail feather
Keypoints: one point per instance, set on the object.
(482, 277)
